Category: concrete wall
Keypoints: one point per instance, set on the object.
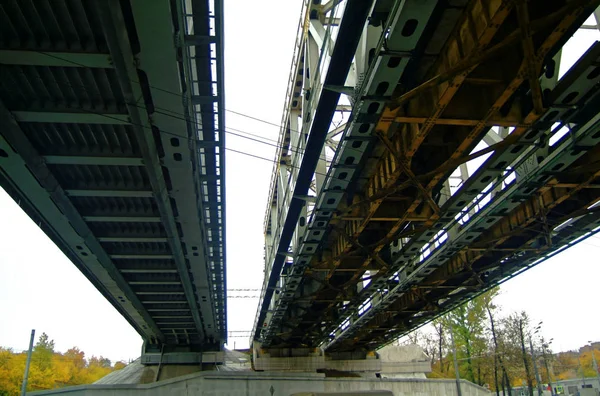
(245, 384)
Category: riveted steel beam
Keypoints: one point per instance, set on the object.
(124, 219)
(55, 59)
(91, 258)
(71, 118)
(120, 49)
(108, 193)
(567, 17)
(355, 14)
(86, 160)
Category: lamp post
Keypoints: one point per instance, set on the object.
(28, 362)
(595, 364)
(535, 370)
(458, 389)
(544, 346)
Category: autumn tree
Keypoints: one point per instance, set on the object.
(468, 325)
(49, 369)
(43, 351)
(495, 349)
(438, 326)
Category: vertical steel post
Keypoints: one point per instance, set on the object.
(458, 390)
(26, 374)
(535, 370)
(595, 362)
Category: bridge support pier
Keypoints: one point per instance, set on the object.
(389, 362)
(153, 354)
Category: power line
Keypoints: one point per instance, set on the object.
(179, 95)
(301, 152)
(194, 122)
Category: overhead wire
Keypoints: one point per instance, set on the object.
(169, 113)
(189, 139)
(181, 116)
(251, 137)
(179, 95)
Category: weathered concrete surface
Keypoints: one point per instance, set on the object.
(284, 384)
(365, 393)
(391, 361)
(136, 373)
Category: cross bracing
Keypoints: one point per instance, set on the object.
(398, 231)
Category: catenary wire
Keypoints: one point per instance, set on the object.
(301, 152)
(196, 123)
(164, 90)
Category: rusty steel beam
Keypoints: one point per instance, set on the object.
(390, 169)
(396, 162)
(520, 219)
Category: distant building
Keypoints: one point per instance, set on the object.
(573, 387)
(591, 347)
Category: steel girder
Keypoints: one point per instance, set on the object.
(380, 62)
(408, 250)
(481, 186)
(457, 74)
(103, 130)
(481, 249)
(44, 200)
(289, 194)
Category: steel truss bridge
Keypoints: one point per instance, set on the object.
(428, 151)
(374, 225)
(111, 139)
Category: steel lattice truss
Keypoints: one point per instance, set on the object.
(112, 141)
(384, 239)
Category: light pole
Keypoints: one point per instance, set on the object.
(535, 370)
(544, 345)
(595, 364)
(28, 362)
(458, 390)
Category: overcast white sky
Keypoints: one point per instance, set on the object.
(42, 289)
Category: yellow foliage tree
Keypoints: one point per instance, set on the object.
(49, 369)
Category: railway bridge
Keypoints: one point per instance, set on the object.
(428, 151)
(424, 157)
(111, 139)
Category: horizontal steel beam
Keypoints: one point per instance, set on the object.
(55, 59)
(141, 256)
(110, 193)
(148, 271)
(167, 293)
(115, 31)
(122, 219)
(62, 217)
(71, 118)
(355, 15)
(88, 160)
(163, 301)
(132, 239)
(459, 122)
(199, 99)
(197, 39)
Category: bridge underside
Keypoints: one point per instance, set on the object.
(111, 120)
(399, 243)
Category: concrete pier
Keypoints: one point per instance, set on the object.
(407, 361)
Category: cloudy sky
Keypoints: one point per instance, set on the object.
(41, 289)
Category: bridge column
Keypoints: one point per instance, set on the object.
(154, 354)
(391, 361)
